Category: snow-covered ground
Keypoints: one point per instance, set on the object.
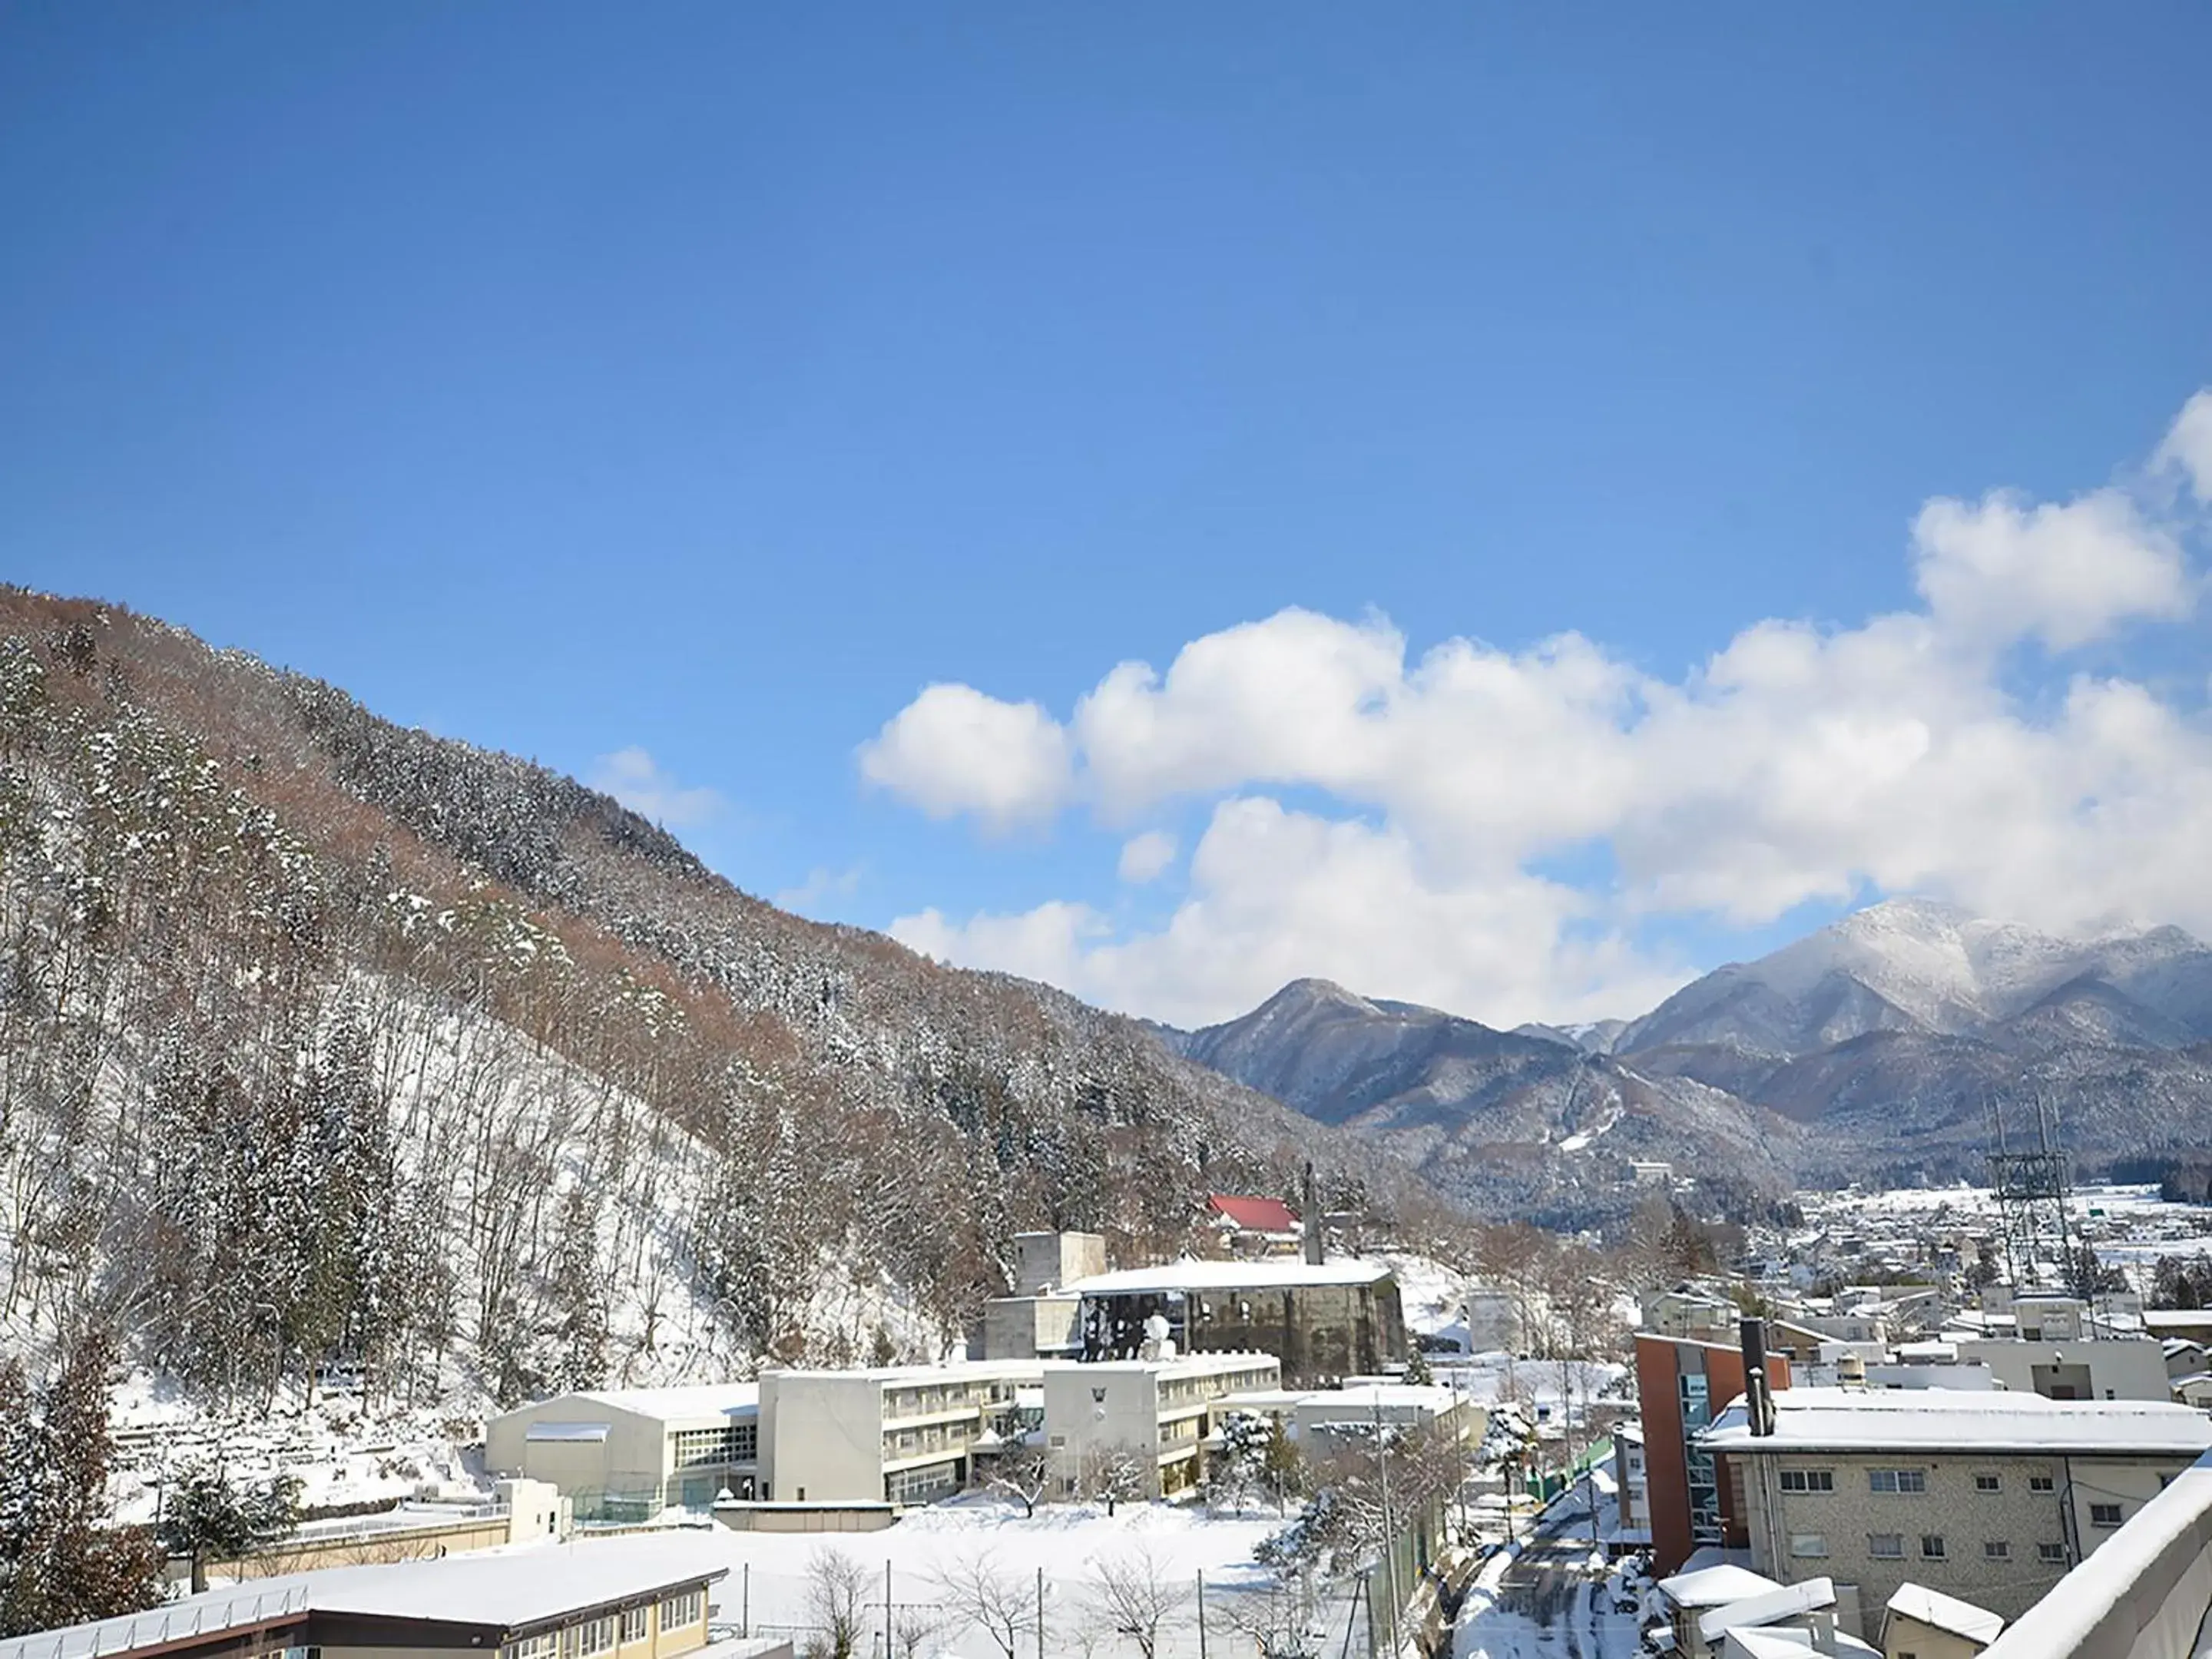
(769, 1574)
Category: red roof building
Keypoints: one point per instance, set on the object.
(1269, 1216)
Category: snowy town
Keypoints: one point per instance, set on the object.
(1933, 1422)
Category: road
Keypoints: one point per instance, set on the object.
(1544, 1602)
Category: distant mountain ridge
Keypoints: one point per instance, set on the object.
(1868, 1048)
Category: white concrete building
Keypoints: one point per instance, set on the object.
(1158, 1411)
(625, 1453)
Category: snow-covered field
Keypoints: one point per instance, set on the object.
(769, 1574)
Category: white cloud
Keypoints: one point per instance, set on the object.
(953, 749)
(1146, 858)
(1795, 764)
(632, 777)
(1999, 569)
(2188, 445)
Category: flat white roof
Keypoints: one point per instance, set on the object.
(692, 1399)
(1210, 1364)
(1947, 1613)
(1229, 1276)
(513, 1587)
(1937, 1421)
(1382, 1396)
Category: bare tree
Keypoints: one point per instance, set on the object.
(836, 1596)
(1022, 1473)
(1112, 1474)
(999, 1601)
(1135, 1594)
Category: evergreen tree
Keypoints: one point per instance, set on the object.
(206, 1518)
(61, 1562)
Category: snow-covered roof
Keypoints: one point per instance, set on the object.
(508, 1588)
(1230, 1276)
(695, 1399)
(2178, 1319)
(1788, 1601)
(1933, 1421)
(1715, 1587)
(1371, 1397)
(1258, 1215)
(1945, 1612)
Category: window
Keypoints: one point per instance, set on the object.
(1886, 1546)
(1932, 1546)
(677, 1611)
(1988, 1483)
(633, 1625)
(596, 1636)
(1996, 1549)
(536, 1647)
(2105, 1515)
(2053, 1554)
(1808, 1543)
(2041, 1483)
(1808, 1480)
(1898, 1480)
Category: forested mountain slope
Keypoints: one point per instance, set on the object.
(325, 1041)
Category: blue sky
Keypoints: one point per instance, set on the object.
(707, 381)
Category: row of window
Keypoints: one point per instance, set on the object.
(738, 1444)
(1890, 1546)
(1901, 1480)
(597, 1636)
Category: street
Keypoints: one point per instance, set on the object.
(1544, 1601)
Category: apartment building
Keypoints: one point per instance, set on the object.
(626, 1454)
(1323, 1321)
(1160, 1411)
(1987, 1496)
(617, 1598)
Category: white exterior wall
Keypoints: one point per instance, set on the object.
(821, 1437)
(635, 1455)
(2130, 1369)
(1091, 1407)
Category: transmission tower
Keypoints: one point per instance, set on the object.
(2034, 1196)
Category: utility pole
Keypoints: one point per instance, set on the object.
(1201, 1615)
(1040, 1612)
(887, 1608)
(1390, 1542)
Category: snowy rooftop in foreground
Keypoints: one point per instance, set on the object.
(1230, 1276)
(1933, 1421)
(1716, 1586)
(505, 1588)
(1945, 1613)
(1769, 1608)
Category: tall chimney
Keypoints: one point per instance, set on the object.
(1758, 1395)
(1312, 1219)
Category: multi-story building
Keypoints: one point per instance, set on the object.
(1681, 1385)
(625, 1454)
(1988, 1496)
(1323, 1321)
(1158, 1411)
(898, 1434)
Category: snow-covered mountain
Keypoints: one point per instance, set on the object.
(1514, 1122)
(1890, 1030)
(1911, 965)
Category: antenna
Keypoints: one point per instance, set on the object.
(2034, 1197)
